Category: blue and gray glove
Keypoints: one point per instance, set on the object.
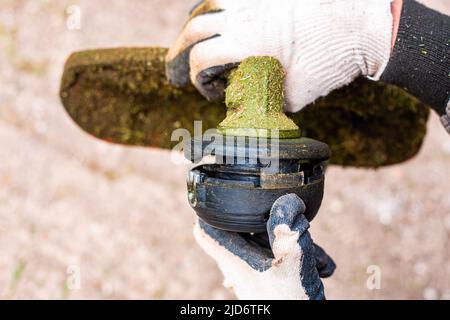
(291, 269)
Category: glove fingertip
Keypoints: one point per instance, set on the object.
(328, 270)
(177, 69)
(211, 82)
(287, 210)
(324, 263)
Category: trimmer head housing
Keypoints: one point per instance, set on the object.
(238, 191)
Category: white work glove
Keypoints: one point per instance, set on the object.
(290, 270)
(322, 44)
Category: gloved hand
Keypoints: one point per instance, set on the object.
(322, 44)
(290, 270)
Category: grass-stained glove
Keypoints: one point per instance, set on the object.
(322, 44)
(290, 270)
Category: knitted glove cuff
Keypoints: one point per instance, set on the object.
(420, 62)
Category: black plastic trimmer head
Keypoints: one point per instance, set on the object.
(259, 155)
(237, 192)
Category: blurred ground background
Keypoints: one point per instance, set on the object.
(75, 208)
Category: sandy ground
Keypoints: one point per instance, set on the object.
(80, 218)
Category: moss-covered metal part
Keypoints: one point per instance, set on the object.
(122, 96)
(255, 100)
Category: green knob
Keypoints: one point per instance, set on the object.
(255, 101)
